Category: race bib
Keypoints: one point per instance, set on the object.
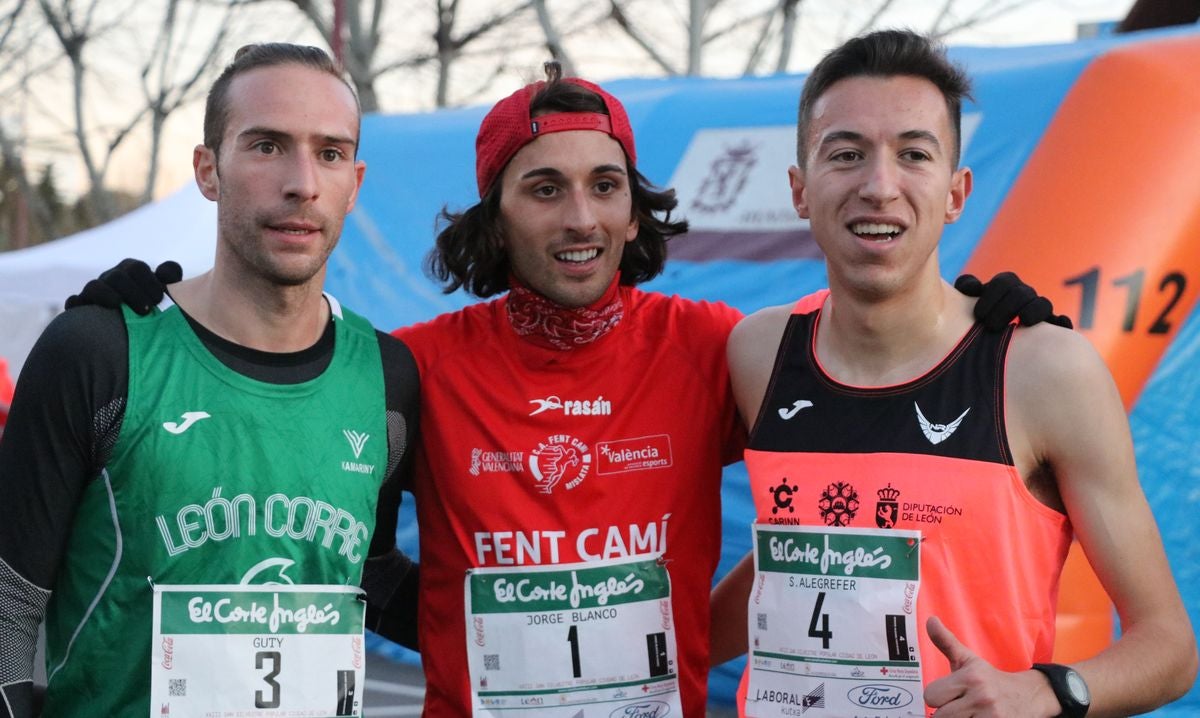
(257, 651)
(833, 623)
(593, 639)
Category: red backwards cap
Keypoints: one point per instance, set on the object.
(508, 127)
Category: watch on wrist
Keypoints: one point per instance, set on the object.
(1073, 695)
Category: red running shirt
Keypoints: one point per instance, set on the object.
(501, 478)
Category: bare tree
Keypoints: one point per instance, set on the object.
(74, 27)
(450, 44)
(554, 38)
(949, 22)
(771, 28)
(164, 94)
(364, 36)
(360, 41)
(30, 219)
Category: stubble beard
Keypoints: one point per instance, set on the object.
(246, 243)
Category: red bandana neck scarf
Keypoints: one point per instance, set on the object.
(547, 324)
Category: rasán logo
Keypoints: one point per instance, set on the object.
(642, 709)
(878, 695)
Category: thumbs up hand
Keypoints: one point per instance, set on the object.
(978, 689)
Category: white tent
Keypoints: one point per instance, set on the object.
(34, 282)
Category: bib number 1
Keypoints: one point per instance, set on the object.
(569, 639)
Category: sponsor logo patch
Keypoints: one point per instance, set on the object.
(838, 504)
(887, 509)
(189, 418)
(572, 407)
(642, 453)
(560, 459)
(484, 461)
(937, 433)
(880, 696)
(358, 440)
(642, 709)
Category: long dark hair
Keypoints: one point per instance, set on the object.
(469, 251)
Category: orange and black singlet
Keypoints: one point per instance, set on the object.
(930, 454)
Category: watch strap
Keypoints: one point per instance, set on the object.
(1057, 674)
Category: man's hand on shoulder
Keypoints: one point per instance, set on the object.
(131, 282)
(975, 687)
(1005, 298)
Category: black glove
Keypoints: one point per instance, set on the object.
(130, 282)
(1005, 298)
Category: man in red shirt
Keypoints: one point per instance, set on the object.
(590, 438)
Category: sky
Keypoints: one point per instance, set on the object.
(605, 55)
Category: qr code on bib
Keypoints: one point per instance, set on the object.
(491, 662)
(177, 687)
(762, 621)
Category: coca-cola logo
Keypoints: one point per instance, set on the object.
(168, 649)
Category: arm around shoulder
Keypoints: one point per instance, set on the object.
(1066, 417)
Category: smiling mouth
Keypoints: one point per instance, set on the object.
(876, 231)
(578, 256)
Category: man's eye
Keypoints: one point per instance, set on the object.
(331, 155)
(606, 186)
(846, 156)
(916, 155)
(266, 147)
(546, 190)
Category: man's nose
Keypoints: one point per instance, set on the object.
(580, 215)
(881, 183)
(301, 181)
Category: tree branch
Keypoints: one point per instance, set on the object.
(879, 11)
(982, 16)
(554, 41)
(618, 16)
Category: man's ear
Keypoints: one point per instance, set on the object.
(960, 188)
(204, 166)
(799, 197)
(360, 169)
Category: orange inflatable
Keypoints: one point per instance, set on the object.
(1104, 220)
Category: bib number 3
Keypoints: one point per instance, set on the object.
(270, 651)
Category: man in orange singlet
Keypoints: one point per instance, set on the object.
(917, 481)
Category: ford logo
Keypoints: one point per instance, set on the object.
(878, 695)
(642, 709)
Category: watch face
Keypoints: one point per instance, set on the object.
(1079, 689)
